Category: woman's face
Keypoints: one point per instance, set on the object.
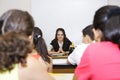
(60, 36)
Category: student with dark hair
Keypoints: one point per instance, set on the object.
(88, 37)
(19, 18)
(101, 60)
(15, 62)
(61, 43)
(40, 46)
(14, 48)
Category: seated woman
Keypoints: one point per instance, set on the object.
(15, 63)
(61, 43)
(41, 48)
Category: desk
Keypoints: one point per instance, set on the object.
(63, 76)
(61, 66)
(56, 55)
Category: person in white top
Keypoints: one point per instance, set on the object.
(88, 37)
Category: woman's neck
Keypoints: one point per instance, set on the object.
(60, 41)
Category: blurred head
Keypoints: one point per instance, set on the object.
(40, 44)
(60, 34)
(88, 35)
(17, 21)
(37, 33)
(1, 23)
(16, 26)
(107, 24)
(14, 48)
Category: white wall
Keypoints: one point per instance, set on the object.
(72, 15)
(14, 4)
(114, 2)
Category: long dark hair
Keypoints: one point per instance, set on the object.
(63, 31)
(40, 44)
(107, 19)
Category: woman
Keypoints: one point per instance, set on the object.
(101, 60)
(61, 43)
(14, 49)
(19, 22)
(41, 48)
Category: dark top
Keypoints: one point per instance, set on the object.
(65, 47)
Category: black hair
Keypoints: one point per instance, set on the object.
(63, 31)
(1, 23)
(107, 19)
(88, 31)
(40, 44)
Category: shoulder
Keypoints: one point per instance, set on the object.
(35, 67)
(82, 46)
(99, 45)
(93, 47)
(32, 61)
(100, 48)
(53, 41)
(67, 41)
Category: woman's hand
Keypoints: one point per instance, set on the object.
(60, 50)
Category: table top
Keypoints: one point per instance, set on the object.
(62, 76)
(59, 61)
(61, 66)
(56, 55)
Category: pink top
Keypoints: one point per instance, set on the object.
(100, 61)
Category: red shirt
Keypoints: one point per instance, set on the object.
(36, 56)
(100, 61)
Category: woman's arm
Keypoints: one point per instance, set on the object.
(75, 77)
(50, 66)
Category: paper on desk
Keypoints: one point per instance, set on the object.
(62, 76)
(60, 61)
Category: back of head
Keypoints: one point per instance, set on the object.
(88, 31)
(107, 19)
(14, 48)
(1, 23)
(40, 44)
(37, 33)
(18, 21)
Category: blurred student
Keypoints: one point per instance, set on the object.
(41, 48)
(88, 37)
(61, 43)
(101, 60)
(15, 63)
(14, 49)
